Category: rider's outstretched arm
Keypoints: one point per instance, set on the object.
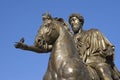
(23, 46)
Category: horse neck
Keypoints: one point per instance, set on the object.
(64, 45)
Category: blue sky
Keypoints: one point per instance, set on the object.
(22, 18)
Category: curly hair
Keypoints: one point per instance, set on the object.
(81, 18)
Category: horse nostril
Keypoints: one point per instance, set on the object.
(39, 40)
(44, 42)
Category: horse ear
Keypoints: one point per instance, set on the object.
(46, 16)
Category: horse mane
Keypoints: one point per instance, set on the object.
(64, 24)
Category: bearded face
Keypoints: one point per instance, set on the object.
(76, 24)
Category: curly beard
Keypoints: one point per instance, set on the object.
(76, 28)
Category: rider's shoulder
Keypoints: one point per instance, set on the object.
(93, 30)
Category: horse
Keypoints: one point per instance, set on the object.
(64, 62)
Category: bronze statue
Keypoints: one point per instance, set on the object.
(84, 55)
(64, 62)
(95, 50)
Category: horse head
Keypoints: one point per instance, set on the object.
(47, 34)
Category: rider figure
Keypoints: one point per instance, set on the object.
(94, 48)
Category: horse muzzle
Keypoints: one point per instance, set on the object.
(39, 42)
